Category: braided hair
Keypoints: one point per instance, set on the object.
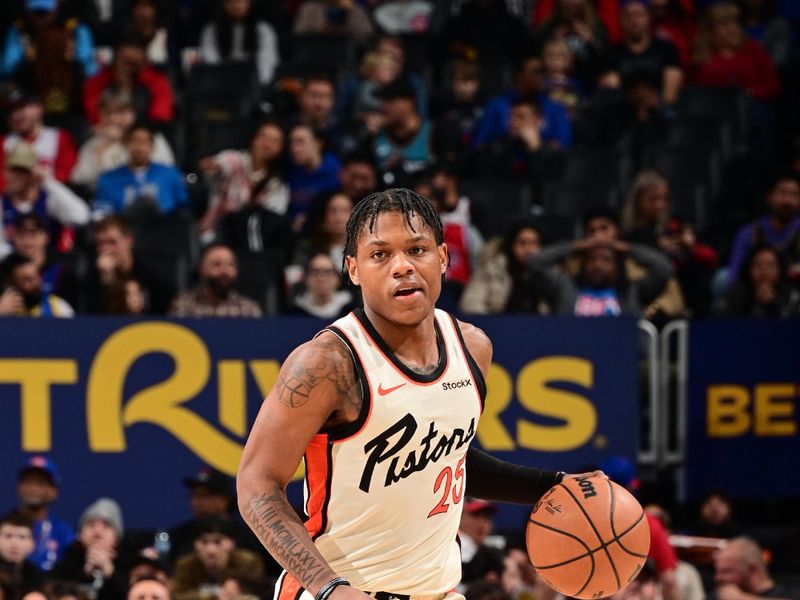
(400, 200)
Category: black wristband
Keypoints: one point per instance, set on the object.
(326, 590)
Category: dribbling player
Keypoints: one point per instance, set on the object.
(382, 405)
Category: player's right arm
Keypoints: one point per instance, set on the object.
(316, 387)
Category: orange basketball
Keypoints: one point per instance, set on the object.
(587, 537)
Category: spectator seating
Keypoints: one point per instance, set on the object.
(169, 245)
(572, 201)
(686, 164)
(501, 200)
(727, 105)
(221, 92)
(261, 278)
(323, 51)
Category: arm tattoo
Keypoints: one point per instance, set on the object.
(271, 519)
(312, 367)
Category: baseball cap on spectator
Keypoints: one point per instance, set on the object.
(104, 509)
(214, 524)
(400, 88)
(212, 479)
(42, 464)
(17, 98)
(474, 505)
(21, 156)
(43, 5)
(620, 470)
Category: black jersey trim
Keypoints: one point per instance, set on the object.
(477, 374)
(384, 347)
(340, 432)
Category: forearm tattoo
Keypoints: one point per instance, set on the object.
(280, 530)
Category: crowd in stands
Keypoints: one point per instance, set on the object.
(212, 554)
(201, 159)
(587, 157)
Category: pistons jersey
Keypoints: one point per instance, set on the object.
(383, 495)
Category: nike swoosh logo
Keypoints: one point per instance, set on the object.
(383, 391)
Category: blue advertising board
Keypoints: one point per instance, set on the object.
(127, 409)
(742, 418)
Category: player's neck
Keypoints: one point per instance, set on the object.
(411, 344)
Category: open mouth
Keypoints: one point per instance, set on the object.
(408, 291)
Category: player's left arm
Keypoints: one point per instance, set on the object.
(489, 478)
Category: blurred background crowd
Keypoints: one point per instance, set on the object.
(590, 157)
(200, 158)
(212, 554)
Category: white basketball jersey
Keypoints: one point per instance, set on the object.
(384, 494)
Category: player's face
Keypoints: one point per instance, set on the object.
(399, 268)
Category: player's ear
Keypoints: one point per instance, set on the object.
(352, 269)
(444, 257)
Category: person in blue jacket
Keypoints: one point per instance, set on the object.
(556, 129)
(37, 488)
(141, 187)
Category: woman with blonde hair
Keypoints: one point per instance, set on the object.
(576, 22)
(724, 55)
(647, 219)
(647, 207)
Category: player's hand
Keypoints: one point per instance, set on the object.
(597, 473)
(346, 592)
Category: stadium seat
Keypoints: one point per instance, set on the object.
(261, 278)
(572, 201)
(555, 228)
(689, 200)
(214, 136)
(606, 167)
(169, 245)
(323, 50)
(501, 200)
(221, 92)
(727, 105)
(687, 164)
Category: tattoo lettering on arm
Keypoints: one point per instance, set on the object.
(280, 530)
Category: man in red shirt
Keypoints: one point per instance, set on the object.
(130, 72)
(55, 149)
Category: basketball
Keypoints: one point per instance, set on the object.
(587, 537)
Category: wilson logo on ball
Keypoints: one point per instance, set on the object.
(587, 487)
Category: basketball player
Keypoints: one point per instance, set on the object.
(382, 407)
